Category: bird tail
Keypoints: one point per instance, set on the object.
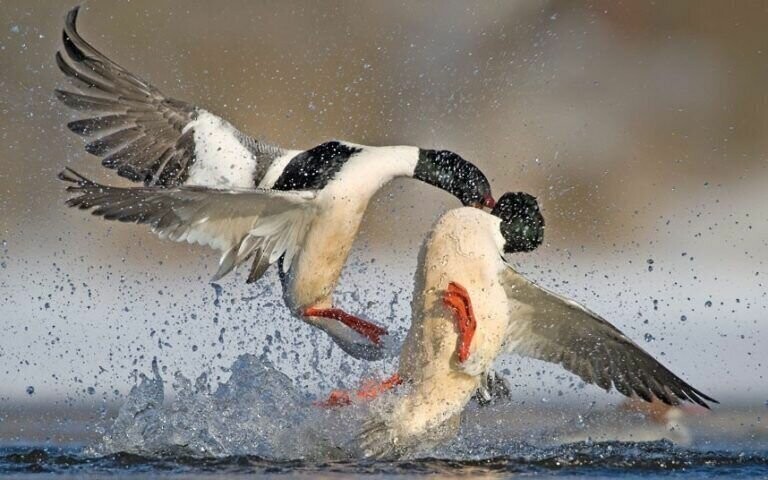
(376, 439)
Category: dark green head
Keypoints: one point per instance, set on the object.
(448, 171)
(522, 224)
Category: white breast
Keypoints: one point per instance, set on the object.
(342, 203)
(462, 248)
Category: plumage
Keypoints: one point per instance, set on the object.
(153, 123)
(221, 219)
(513, 315)
(554, 329)
(91, 126)
(198, 169)
(460, 248)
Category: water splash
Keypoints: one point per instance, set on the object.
(257, 411)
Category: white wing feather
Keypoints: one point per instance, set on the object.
(239, 223)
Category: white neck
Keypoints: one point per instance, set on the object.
(474, 229)
(390, 162)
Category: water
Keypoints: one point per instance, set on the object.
(257, 422)
(589, 460)
(257, 411)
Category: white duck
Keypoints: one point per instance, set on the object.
(206, 182)
(470, 306)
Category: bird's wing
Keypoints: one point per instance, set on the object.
(546, 326)
(263, 224)
(148, 137)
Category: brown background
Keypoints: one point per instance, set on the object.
(640, 125)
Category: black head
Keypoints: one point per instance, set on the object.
(448, 171)
(522, 224)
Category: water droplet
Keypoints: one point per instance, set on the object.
(30, 390)
(708, 303)
(217, 291)
(683, 318)
(90, 390)
(649, 338)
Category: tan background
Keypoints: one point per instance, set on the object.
(641, 126)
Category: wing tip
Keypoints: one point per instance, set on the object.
(69, 33)
(701, 399)
(80, 127)
(71, 18)
(68, 175)
(687, 394)
(61, 63)
(71, 176)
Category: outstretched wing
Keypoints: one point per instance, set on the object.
(546, 326)
(263, 224)
(148, 137)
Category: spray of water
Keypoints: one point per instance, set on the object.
(257, 411)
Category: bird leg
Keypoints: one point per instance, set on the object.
(369, 330)
(457, 299)
(369, 391)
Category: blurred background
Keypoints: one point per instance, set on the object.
(640, 126)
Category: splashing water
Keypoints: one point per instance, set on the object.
(258, 422)
(258, 411)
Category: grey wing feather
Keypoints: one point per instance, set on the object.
(548, 327)
(138, 131)
(243, 224)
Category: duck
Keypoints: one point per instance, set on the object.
(470, 306)
(203, 181)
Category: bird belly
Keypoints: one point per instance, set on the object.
(441, 386)
(315, 271)
(433, 336)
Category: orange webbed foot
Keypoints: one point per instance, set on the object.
(337, 398)
(457, 299)
(369, 330)
(369, 391)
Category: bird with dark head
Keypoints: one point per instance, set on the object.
(206, 182)
(522, 224)
(448, 171)
(469, 307)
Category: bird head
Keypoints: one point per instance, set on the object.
(448, 171)
(522, 224)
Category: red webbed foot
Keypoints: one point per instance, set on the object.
(457, 299)
(373, 389)
(369, 330)
(337, 398)
(369, 391)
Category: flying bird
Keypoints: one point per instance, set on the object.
(206, 182)
(470, 306)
